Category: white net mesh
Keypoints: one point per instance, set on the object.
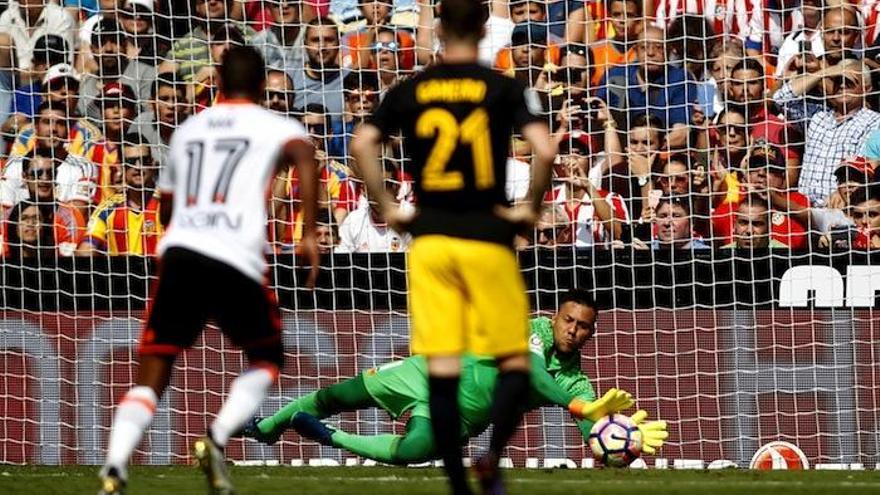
(713, 189)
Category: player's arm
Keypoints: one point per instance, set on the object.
(544, 152)
(301, 153)
(532, 125)
(365, 148)
(166, 207)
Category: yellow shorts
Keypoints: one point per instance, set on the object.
(466, 295)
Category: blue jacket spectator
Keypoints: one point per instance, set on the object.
(649, 85)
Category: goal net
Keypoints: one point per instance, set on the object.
(714, 191)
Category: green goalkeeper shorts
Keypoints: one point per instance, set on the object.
(400, 386)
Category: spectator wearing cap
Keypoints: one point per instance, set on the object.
(529, 51)
(75, 176)
(68, 222)
(625, 17)
(751, 229)
(23, 23)
(569, 80)
(746, 94)
(21, 97)
(833, 132)
(319, 80)
(361, 97)
(806, 39)
(118, 109)
(109, 45)
(61, 87)
(165, 112)
(651, 85)
(765, 177)
(137, 20)
(191, 53)
(287, 30)
(359, 45)
(854, 173)
(128, 223)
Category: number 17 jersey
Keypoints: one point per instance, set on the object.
(457, 121)
(221, 164)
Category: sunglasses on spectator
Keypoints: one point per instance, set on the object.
(572, 75)
(390, 46)
(273, 95)
(138, 161)
(737, 128)
(317, 130)
(42, 172)
(549, 232)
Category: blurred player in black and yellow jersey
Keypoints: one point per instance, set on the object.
(466, 291)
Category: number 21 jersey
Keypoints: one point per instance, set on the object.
(220, 168)
(457, 122)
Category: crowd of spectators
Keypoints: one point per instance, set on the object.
(681, 125)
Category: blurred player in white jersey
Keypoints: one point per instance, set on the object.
(220, 166)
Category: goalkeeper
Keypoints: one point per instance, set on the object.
(402, 386)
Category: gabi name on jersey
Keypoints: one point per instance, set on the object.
(451, 91)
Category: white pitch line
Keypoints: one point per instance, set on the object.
(586, 480)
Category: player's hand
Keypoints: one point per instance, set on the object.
(523, 216)
(308, 247)
(399, 220)
(654, 433)
(614, 401)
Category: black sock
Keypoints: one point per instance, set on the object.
(508, 407)
(446, 423)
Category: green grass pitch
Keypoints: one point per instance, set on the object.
(411, 481)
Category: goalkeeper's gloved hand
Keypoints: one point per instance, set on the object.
(653, 432)
(614, 400)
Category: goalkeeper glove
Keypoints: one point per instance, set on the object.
(613, 401)
(653, 432)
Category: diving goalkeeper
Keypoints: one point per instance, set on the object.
(402, 386)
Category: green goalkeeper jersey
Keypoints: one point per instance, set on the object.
(402, 386)
(556, 378)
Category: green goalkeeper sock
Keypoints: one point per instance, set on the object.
(416, 446)
(349, 395)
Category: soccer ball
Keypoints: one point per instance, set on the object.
(615, 441)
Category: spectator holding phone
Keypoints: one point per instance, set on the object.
(834, 221)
